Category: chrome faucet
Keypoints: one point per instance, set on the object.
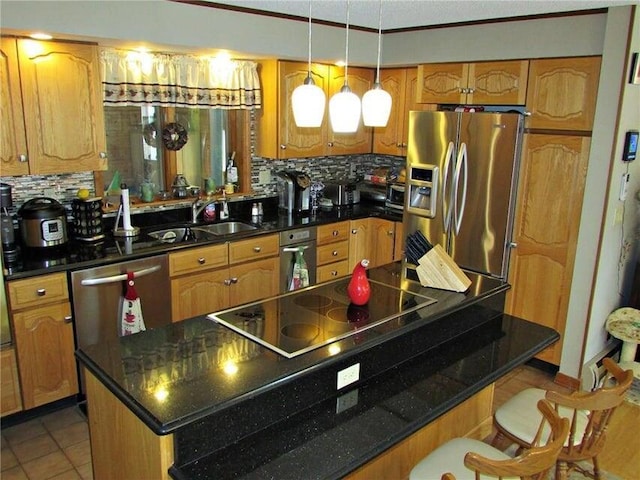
(196, 208)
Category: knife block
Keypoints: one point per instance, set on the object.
(438, 270)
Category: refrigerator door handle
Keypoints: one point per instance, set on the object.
(461, 163)
(448, 162)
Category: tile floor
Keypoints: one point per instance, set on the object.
(54, 446)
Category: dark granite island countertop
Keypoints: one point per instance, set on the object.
(237, 409)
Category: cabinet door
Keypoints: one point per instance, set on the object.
(44, 342)
(360, 241)
(545, 231)
(13, 142)
(294, 141)
(383, 232)
(442, 82)
(9, 385)
(388, 140)
(562, 93)
(498, 83)
(199, 293)
(254, 280)
(61, 92)
(360, 81)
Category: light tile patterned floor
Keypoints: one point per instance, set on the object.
(54, 446)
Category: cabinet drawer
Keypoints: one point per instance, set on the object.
(11, 401)
(333, 232)
(198, 259)
(37, 291)
(332, 271)
(332, 253)
(252, 248)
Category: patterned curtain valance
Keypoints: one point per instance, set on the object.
(160, 79)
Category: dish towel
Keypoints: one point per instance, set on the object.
(300, 275)
(131, 310)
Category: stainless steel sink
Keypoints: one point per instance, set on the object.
(226, 228)
(175, 235)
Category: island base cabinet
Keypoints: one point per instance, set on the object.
(122, 446)
(460, 421)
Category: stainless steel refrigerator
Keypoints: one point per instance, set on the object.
(461, 181)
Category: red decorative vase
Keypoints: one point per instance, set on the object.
(359, 289)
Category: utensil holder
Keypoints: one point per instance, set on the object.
(436, 269)
(87, 219)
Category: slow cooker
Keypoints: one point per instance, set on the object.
(43, 223)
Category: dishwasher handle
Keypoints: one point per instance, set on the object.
(295, 249)
(119, 278)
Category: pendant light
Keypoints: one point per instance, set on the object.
(308, 100)
(376, 103)
(344, 106)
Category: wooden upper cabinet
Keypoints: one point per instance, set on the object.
(562, 93)
(13, 141)
(62, 106)
(482, 83)
(279, 136)
(401, 83)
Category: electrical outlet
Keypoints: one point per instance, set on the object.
(346, 401)
(348, 376)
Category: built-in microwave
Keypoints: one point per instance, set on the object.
(395, 196)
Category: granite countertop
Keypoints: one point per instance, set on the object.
(77, 254)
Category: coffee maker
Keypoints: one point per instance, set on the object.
(9, 247)
(293, 190)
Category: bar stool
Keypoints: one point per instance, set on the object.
(467, 459)
(624, 324)
(589, 414)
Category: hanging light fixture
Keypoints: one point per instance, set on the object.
(308, 100)
(376, 103)
(344, 106)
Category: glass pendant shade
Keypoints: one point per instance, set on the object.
(376, 107)
(308, 102)
(344, 111)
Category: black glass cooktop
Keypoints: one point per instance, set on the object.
(298, 322)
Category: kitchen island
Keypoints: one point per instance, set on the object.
(196, 400)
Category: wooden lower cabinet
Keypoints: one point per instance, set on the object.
(254, 280)
(550, 194)
(332, 253)
(373, 239)
(9, 383)
(45, 347)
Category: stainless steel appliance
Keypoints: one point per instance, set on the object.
(293, 190)
(461, 183)
(298, 322)
(395, 196)
(43, 222)
(291, 242)
(97, 294)
(342, 192)
(6, 221)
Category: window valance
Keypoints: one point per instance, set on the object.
(161, 79)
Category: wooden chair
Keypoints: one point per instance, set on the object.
(589, 414)
(467, 459)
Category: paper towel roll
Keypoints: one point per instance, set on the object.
(126, 209)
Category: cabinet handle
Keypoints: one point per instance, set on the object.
(354, 231)
(257, 249)
(334, 253)
(283, 147)
(390, 233)
(471, 90)
(41, 292)
(227, 282)
(202, 260)
(102, 154)
(330, 144)
(463, 90)
(399, 145)
(68, 319)
(234, 279)
(335, 233)
(334, 273)
(513, 245)
(527, 113)
(404, 145)
(23, 158)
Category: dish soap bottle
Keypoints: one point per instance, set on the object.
(359, 289)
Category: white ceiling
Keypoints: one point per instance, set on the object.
(397, 14)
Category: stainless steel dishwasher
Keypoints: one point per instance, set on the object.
(97, 294)
(291, 242)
